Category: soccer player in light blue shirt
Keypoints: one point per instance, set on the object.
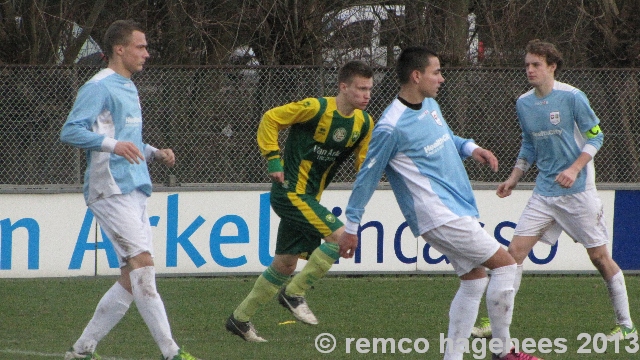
(561, 135)
(106, 121)
(422, 159)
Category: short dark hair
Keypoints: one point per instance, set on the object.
(119, 33)
(547, 50)
(410, 59)
(354, 68)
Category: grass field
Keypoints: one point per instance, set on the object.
(41, 318)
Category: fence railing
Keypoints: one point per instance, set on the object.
(209, 116)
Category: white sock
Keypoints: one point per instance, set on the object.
(151, 308)
(619, 299)
(518, 279)
(110, 310)
(500, 295)
(462, 315)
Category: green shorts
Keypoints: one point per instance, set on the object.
(303, 223)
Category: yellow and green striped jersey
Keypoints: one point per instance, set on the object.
(319, 140)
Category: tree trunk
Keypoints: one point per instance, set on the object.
(72, 50)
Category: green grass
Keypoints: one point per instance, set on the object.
(41, 318)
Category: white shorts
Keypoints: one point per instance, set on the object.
(579, 215)
(465, 243)
(125, 221)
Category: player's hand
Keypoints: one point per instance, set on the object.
(348, 244)
(129, 151)
(505, 188)
(277, 176)
(567, 177)
(484, 156)
(165, 156)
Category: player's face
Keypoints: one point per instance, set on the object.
(538, 71)
(358, 91)
(135, 53)
(430, 79)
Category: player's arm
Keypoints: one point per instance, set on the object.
(526, 157)
(468, 147)
(381, 148)
(505, 188)
(77, 129)
(164, 156)
(363, 146)
(588, 123)
(594, 137)
(276, 120)
(524, 161)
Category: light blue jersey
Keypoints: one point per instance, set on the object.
(423, 162)
(106, 110)
(554, 132)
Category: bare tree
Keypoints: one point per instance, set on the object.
(615, 41)
(592, 33)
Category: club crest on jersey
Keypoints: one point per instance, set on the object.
(436, 117)
(355, 135)
(330, 218)
(339, 134)
(554, 117)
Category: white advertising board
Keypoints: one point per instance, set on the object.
(230, 232)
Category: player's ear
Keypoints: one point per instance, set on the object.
(118, 49)
(415, 76)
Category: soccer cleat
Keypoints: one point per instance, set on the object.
(620, 332)
(244, 329)
(72, 354)
(483, 330)
(182, 355)
(298, 307)
(513, 355)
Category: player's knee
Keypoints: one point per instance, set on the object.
(599, 256)
(518, 253)
(285, 267)
(600, 259)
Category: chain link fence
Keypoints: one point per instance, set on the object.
(209, 116)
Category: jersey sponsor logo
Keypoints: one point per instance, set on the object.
(339, 134)
(436, 117)
(437, 145)
(326, 155)
(545, 133)
(542, 102)
(554, 117)
(133, 120)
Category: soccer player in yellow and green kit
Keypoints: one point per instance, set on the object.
(323, 133)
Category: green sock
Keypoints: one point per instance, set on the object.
(265, 288)
(319, 263)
